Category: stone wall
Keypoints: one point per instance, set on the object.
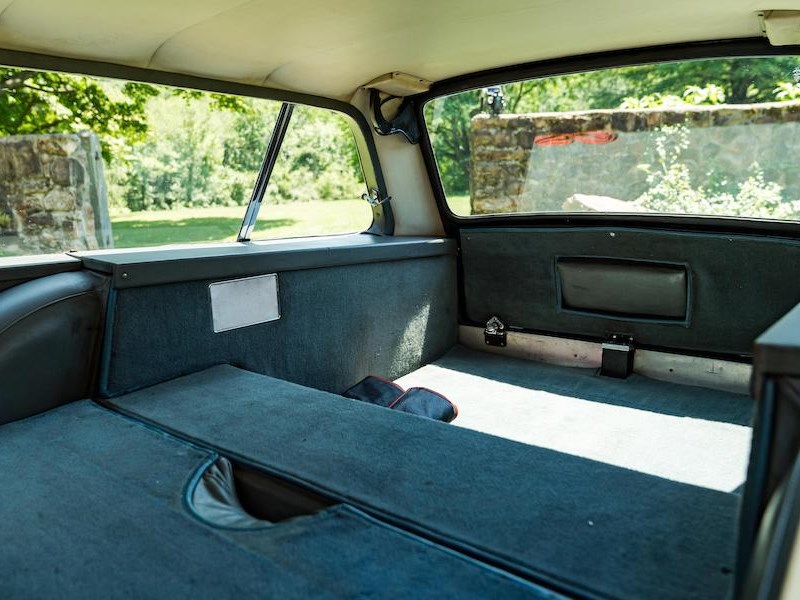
(509, 173)
(52, 194)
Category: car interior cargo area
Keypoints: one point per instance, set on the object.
(626, 517)
(551, 475)
(367, 300)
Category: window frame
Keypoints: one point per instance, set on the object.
(382, 216)
(748, 47)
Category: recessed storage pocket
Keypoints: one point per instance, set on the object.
(227, 494)
(629, 289)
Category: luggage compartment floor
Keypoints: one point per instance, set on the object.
(683, 433)
(93, 507)
(587, 527)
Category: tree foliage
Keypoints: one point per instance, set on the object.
(34, 102)
(200, 154)
(318, 159)
(448, 121)
(180, 161)
(169, 147)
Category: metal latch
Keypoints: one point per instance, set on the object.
(373, 198)
(495, 332)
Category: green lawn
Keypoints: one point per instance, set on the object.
(220, 224)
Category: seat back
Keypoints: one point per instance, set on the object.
(50, 330)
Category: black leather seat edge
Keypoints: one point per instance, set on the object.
(50, 330)
(774, 451)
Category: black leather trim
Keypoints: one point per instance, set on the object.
(773, 458)
(24, 300)
(777, 350)
(49, 342)
(624, 288)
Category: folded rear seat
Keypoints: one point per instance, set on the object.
(581, 526)
(95, 505)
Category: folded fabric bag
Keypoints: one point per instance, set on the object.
(426, 403)
(375, 390)
(417, 400)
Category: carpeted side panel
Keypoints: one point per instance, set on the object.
(591, 526)
(92, 506)
(381, 318)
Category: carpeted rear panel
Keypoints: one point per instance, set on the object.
(337, 326)
(596, 528)
(688, 434)
(733, 298)
(92, 508)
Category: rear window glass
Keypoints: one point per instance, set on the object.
(704, 137)
(91, 163)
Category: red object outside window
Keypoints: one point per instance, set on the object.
(586, 137)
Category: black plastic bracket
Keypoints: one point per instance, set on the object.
(617, 358)
(405, 121)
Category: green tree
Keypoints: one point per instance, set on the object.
(244, 150)
(181, 161)
(743, 80)
(33, 102)
(318, 159)
(448, 121)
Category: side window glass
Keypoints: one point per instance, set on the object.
(91, 163)
(317, 183)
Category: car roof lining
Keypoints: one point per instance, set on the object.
(330, 49)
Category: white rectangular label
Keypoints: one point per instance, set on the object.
(244, 302)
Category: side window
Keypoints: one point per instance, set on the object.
(317, 183)
(704, 137)
(91, 163)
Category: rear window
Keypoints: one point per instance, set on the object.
(704, 137)
(90, 163)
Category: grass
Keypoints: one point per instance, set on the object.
(221, 224)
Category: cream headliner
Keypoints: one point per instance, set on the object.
(330, 48)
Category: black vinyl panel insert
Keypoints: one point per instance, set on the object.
(613, 287)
